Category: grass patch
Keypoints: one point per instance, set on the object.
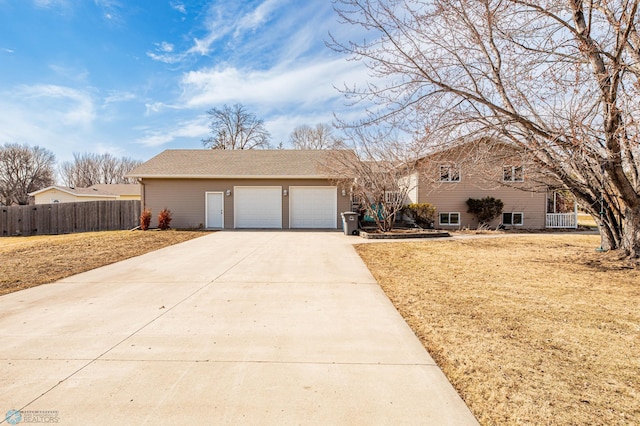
(30, 261)
(531, 330)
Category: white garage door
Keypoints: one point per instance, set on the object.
(313, 207)
(257, 206)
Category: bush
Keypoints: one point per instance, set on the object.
(164, 219)
(485, 209)
(145, 219)
(422, 213)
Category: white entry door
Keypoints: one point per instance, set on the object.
(215, 210)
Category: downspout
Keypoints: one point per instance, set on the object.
(143, 203)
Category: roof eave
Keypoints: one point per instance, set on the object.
(152, 176)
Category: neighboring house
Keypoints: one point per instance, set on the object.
(101, 192)
(487, 169)
(228, 189)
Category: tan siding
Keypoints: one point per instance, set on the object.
(186, 198)
(479, 180)
(452, 197)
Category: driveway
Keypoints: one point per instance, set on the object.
(231, 328)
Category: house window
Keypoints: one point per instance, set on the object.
(449, 218)
(512, 174)
(392, 197)
(449, 173)
(515, 219)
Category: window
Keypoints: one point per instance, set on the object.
(512, 174)
(449, 173)
(449, 218)
(392, 197)
(516, 219)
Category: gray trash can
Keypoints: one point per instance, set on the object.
(350, 223)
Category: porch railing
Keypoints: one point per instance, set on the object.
(562, 220)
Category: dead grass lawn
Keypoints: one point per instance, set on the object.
(530, 330)
(30, 261)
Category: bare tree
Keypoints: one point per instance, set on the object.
(236, 128)
(90, 169)
(318, 137)
(24, 169)
(556, 78)
(381, 172)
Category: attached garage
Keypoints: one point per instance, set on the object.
(313, 207)
(258, 207)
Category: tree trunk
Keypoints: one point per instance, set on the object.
(631, 233)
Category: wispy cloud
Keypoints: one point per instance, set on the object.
(50, 3)
(194, 129)
(58, 118)
(297, 83)
(111, 10)
(179, 6)
(70, 73)
(7, 50)
(223, 20)
(119, 96)
(256, 17)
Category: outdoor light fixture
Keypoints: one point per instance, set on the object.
(344, 192)
(228, 192)
(285, 192)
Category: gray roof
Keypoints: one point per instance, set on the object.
(98, 190)
(242, 164)
(118, 188)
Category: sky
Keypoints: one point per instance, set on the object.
(133, 78)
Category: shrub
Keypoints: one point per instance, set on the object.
(485, 209)
(145, 219)
(164, 219)
(422, 213)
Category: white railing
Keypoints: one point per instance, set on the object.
(562, 220)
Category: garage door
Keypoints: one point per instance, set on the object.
(313, 207)
(257, 206)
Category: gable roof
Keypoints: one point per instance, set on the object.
(118, 188)
(98, 190)
(78, 192)
(239, 164)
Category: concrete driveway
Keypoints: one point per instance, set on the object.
(231, 328)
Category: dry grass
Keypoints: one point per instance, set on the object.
(530, 330)
(30, 261)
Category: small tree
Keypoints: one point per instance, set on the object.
(380, 170)
(422, 213)
(318, 137)
(24, 169)
(485, 209)
(164, 219)
(145, 219)
(90, 169)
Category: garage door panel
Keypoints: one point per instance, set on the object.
(258, 207)
(313, 207)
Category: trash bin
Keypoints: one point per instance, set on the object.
(350, 223)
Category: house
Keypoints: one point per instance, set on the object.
(229, 189)
(484, 168)
(99, 192)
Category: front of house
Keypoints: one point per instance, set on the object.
(295, 189)
(480, 169)
(236, 189)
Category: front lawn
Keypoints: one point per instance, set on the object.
(530, 330)
(30, 261)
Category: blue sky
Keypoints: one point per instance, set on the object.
(133, 78)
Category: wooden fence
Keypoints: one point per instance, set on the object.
(67, 218)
